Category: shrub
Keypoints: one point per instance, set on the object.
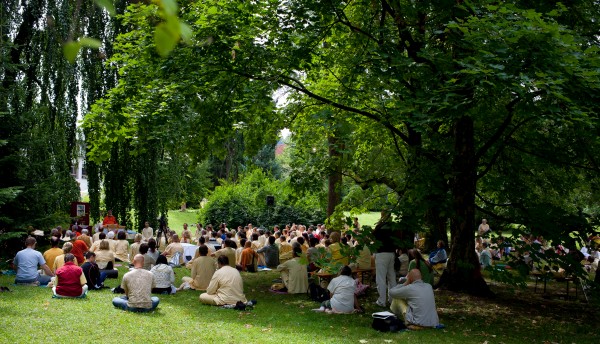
(244, 202)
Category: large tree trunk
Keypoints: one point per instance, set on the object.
(463, 272)
(334, 193)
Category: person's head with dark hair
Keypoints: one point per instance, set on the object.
(122, 235)
(485, 244)
(54, 232)
(346, 271)
(214, 234)
(73, 235)
(230, 243)
(89, 255)
(254, 236)
(305, 236)
(248, 244)
(203, 250)
(261, 231)
(312, 242)
(271, 240)
(282, 238)
(161, 260)
(335, 237)
(54, 241)
(327, 242)
(222, 261)
(144, 248)
(243, 242)
(69, 257)
(228, 235)
(297, 249)
(102, 236)
(300, 240)
(440, 244)
(201, 240)
(152, 244)
(344, 241)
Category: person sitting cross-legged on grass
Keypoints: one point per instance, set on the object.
(414, 301)
(70, 280)
(293, 273)
(26, 263)
(138, 284)
(342, 290)
(164, 277)
(95, 278)
(226, 286)
(203, 269)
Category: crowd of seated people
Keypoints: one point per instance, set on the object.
(293, 250)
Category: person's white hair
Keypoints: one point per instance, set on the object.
(84, 231)
(110, 235)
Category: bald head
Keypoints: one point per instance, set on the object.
(413, 275)
(138, 261)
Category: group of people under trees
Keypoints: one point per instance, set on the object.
(222, 254)
(531, 250)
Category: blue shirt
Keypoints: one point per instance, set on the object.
(27, 262)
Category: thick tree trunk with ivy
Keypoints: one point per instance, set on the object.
(463, 272)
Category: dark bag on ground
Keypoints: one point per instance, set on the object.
(389, 323)
(317, 293)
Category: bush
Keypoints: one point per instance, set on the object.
(244, 202)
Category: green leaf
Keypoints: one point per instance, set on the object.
(186, 31)
(107, 5)
(70, 50)
(90, 42)
(212, 10)
(169, 6)
(164, 40)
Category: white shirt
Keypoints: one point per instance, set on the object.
(342, 288)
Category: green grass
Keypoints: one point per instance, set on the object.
(367, 219)
(178, 218)
(29, 314)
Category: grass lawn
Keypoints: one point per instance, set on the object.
(178, 218)
(367, 219)
(30, 315)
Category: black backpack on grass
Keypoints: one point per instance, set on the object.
(317, 293)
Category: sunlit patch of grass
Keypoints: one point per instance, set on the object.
(30, 315)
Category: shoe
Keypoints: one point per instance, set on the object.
(322, 309)
(379, 304)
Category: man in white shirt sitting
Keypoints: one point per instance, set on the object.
(414, 301)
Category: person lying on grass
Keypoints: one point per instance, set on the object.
(226, 286)
(414, 301)
(137, 284)
(343, 297)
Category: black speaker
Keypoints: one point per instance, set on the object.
(270, 201)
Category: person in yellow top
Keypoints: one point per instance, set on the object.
(135, 247)
(335, 249)
(173, 248)
(293, 273)
(122, 248)
(51, 254)
(203, 269)
(226, 287)
(228, 250)
(59, 261)
(285, 250)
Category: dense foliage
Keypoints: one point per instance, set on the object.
(238, 204)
